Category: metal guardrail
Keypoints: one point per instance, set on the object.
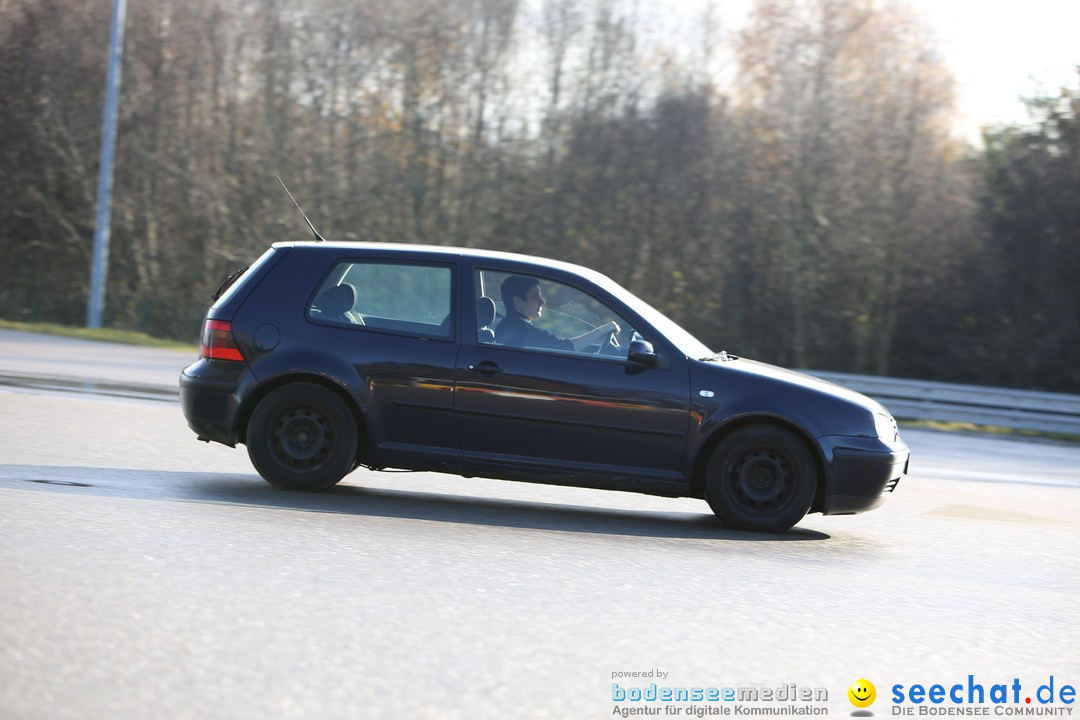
(948, 402)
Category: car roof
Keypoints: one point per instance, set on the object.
(447, 251)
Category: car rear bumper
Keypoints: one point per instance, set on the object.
(209, 397)
(864, 474)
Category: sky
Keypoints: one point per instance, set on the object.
(998, 50)
(1002, 49)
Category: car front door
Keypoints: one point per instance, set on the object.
(574, 413)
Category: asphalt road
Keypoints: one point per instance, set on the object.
(146, 575)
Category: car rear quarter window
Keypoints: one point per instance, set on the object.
(404, 298)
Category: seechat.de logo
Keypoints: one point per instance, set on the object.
(862, 694)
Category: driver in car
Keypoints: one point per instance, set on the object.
(524, 303)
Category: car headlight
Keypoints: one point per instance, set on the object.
(886, 427)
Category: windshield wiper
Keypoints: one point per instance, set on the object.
(721, 356)
(228, 283)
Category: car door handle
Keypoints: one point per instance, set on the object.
(486, 368)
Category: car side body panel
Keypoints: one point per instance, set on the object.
(832, 420)
(398, 383)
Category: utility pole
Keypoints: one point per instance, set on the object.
(100, 265)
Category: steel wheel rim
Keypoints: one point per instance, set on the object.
(302, 437)
(761, 479)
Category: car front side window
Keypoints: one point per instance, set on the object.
(537, 313)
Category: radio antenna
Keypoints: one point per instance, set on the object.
(318, 237)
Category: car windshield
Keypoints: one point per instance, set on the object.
(683, 340)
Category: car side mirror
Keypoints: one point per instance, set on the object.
(642, 352)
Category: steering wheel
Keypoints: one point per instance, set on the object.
(609, 345)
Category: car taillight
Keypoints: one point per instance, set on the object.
(218, 342)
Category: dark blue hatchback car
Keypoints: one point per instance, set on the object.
(323, 357)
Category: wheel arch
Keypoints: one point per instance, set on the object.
(253, 400)
(701, 460)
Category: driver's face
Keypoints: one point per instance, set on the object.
(531, 305)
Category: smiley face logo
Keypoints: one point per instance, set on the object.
(862, 693)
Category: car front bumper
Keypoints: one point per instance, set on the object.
(864, 473)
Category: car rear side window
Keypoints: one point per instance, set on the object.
(405, 298)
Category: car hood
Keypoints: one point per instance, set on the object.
(748, 387)
(792, 377)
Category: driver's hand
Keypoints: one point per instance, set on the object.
(613, 326)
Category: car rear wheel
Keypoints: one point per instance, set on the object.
(761, 478)
(302, 437)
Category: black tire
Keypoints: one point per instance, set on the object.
(302, 437)
(761, 478)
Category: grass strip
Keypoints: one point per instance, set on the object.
(113, 335)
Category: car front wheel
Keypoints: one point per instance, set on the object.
(302, 437)
(761, 478)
